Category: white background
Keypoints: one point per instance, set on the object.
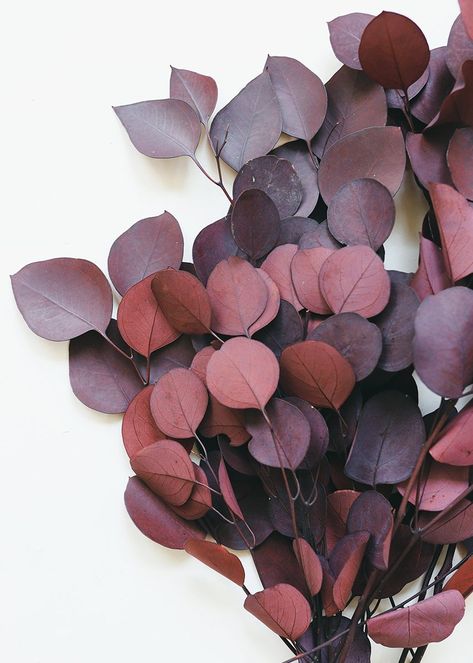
(78, 583)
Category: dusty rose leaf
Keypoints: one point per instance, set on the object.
(431, 276)
(296, 151)
(425, 106)
(221, 420)
(278, 266)
(345, 561)
(138, 427)
(339, 504)
(305, 269)
(218, 558)
(272, 305)
(454, 526)
(460, 160)
(459, 46)
(455, 445)
(456, 108)
(345, 34)
(282, 608)
(439, 486)
(255, 223)
(226, 488)
(199, 91)
(310, 563)
(200, 501)
(428, 155)
(214, 243)
(183, 300)
(371, 512)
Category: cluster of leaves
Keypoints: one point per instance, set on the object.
(268, 387)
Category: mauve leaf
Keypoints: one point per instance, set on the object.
(297, 152)
(455, 445)
(459, 47)
(360, 649)
(457, 106)
(396, 99)
(371, 512)
(142, 322)
(431, 620)
(100, 377)
(466, 9)
(362, 212)
(238, 296)
(388, 440)
(255, 223)
(439, 486)
(243, 374)
(345, 561)
(278, 266)
(341, 437)
(319, 435)
(285, 329)
(200, 362)
(310, 563)
(460, 160)
(199, 91)
(317, 373)
(428, 155)
(376, 152)
(462, 580)
(274, 176)
(393, 51)
(176, 355)
(139, 429)
(282, 608)
(155, 519)
(354, 280)
(214, 243)
(286, 445)
(339, 504)
(320, 236)
(345, 34)
(166, 468)
(444, 360)
(227, 491)
(249, 126)
(454, 526)
(358, 340)
(63, 298)
(178, 403)
(425, 106)
(148, 246)
(218, 558)
(431, 276)
(276, 563)
(272, 305)
(220, 419)
(354, 102)
(305, 269)
(293, 228)
(161, 129)
(183, 300)
(396, 324)
(301, 95)
(200, 500)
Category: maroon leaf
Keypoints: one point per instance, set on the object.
(63, 298)
(278, 266)
(100, 377)
(282, 609)
(277, 563)
(425, 106)
(199, 91)
(166, 468)
(301, 95)
(255, 223)
(388, 440)
(310, 563)
(319, 435)
(305, 269)
(217, 558)
(320, 236)
(431, 276)
(317, 373)
(377, 152)
(200, 500)
(393, 51)
(459, 47)
(178, 403)
(444, 360)
(460, 160)
(356, 339)
(454, 526)
(148, 246)
(439, 486)
(183, 300)
(243, 374)
(297, 153)
(213, 244)
(455, 445)
(371, 512)
(293, 228)
(339, 504)
(276, 177)
(249, 125)
(161, 129)
(139, 429)
(431, 620)
(238, 296)
(354, 280)
(228, 493)
(345, 34)
(361, 212)
(220, 420)
(462, 580)
(155, 519)
(176, 355)
(345, 561)
(142, 322)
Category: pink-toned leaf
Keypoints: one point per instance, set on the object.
(199, 91)
(428, 155)
(278, 266)
(221, 420)
(183, 300)
(454, 526)
(345, 35)
(439, 486)
(139, 429)
(455, 445)
(226, 488)
(305, 269)
(200, 500)
(200, 362)
(459, 46)
(425, 106)
(282, 608)
(466, 8)
(218, 558)
(272, 305)
(462, 580)
(431, 276)
(345, 561)
(372, 513)
(214, 243)
(460, 160)
(339, 504)
(310, 564)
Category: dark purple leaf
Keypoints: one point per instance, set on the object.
(319, 435)
(320, 236)
(276, 562)
(294, 227)
(284, 330)
(371, 512)
(213, 244)
(298, 154)
(255, 223)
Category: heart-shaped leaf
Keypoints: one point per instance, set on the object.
(282, 609)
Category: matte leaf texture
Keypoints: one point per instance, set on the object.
(297, 153)
(243, 374)
(301, 95)
(213, 244)
(199, 91)
(455, 526)
(428, 155)
(371, 512)
(425, 106)
(431, 620)
(462, 580)
(139, 429)
(317, 373)
(218, 558)
(376, 152)
(393, 51)
(282, 609)
(276, 562)
(278, 266)
(455, 446)
(450, 312)
(305, 269)
(63, 298)
(345, 35)
(272, 307)
(311, 565)
(440, 485)
(460, 160)
(142, 322)
(249, 126)
(388, 440)
(354, 280)
(148, 246)
(183, 300)
(361, 212)
(161, 129)
(178, 403)
(459, 47)
(255, 223)
(284, 330)
(277, 177)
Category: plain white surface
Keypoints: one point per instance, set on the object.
(78, 583)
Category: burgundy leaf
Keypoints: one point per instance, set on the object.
(272, 305)
(213, 244)
(276, 563)
(459, 47)
(371, 512)
(339, 504)
(455, 525)
(228, 493)
(345, 561)
(161, 129)
(199, 91)
(255, 223)
(457, 106)
(345, 35)
(460, 160)
(139, 429)
(155, 519)
(293, 228)
(282, 609)
(319, 435)
(462, 580)
(278, 266)
(438, 487)
(297, 153)
(148, 246)
(63, 298)
(310, 564)
(249, 126)
(220, 419)
(396, 98)
(200, 500)
(431, 276)
(320, 236)
(455, 445)
(305, 269)
(217, 558)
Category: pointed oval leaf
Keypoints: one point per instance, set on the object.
(63, 298)
(278, 266)
(255, 223)
(345, 35)
(460, 160)
(305, 269)
(282, 609)
(218, 558)
(199, 91)
(139, 429)
(455, 445)
(161, 129)
(243, 374)
(183, 300)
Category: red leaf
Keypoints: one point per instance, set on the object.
(220, 419)
(200, 500)
(138, 427)
(305, 270)
(462, 580)
(345, 561)
(272, 305)
(218, 558)
(455, 446)
(310, 563)
(282, 609)
(226, 488)
(278, 266)
(339, 504)
(183, 300)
